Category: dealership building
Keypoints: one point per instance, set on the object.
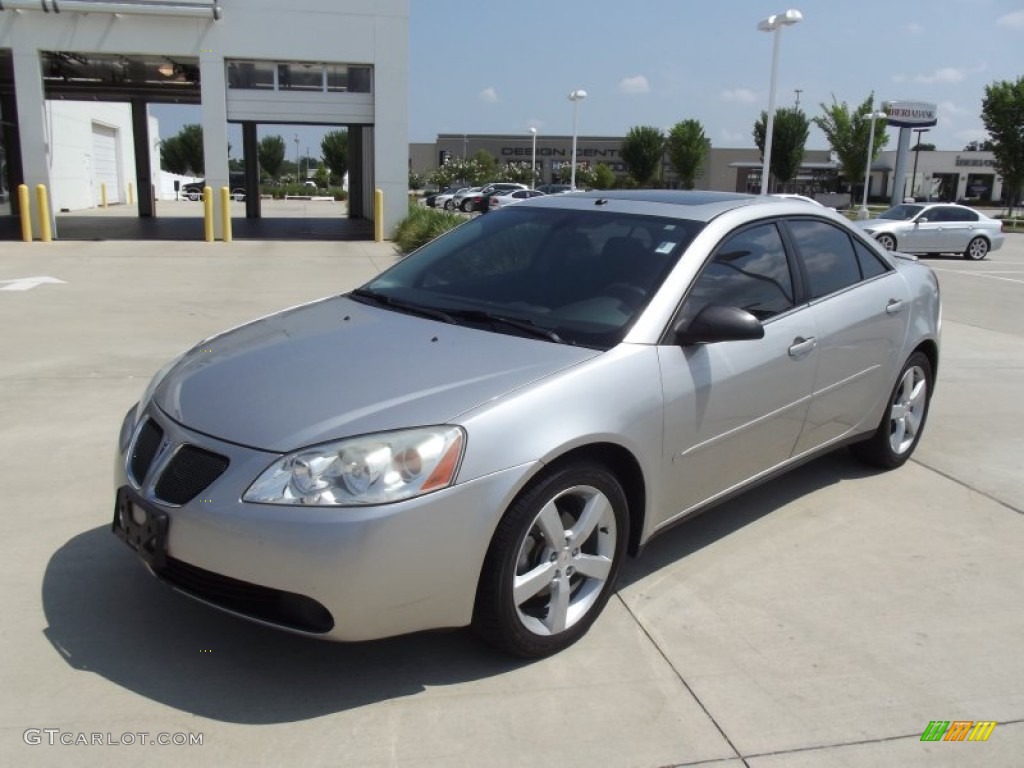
(939, 174)
(338, 63)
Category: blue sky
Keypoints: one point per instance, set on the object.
(499, 67)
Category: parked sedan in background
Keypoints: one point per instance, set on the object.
(481, 200)
(483, 433)
(431, 201)
(461, 195)
(510, 198)
(446, 200)
(936, 228)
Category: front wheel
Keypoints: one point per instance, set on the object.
(449, 205)
(900, 430)
(553, 561)
(887, 241)
(977, 249)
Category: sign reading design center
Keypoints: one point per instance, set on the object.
(911, 114)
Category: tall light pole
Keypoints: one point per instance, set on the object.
(533, 161)
(863, 213)
(774, 23)
(575, 97)
(296, 157)
(917, 151)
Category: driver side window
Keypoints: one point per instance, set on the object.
(750, 271)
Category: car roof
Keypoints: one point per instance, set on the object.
(689, 204)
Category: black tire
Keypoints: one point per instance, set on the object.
(891, 445)
(977, 249)
(449, 205)
(533, 625)
(887, 241)
(466, 206)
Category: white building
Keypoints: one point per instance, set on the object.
(339, 63)
(92, 153)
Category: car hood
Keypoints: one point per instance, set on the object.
(337, 368)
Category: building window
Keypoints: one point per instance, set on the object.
(311, 77)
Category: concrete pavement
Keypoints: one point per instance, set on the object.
(821, 620)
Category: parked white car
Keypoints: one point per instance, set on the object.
(936, 228)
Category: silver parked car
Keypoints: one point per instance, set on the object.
(483, 433)
(936, 228)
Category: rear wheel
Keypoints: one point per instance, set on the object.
(553, 561)
(977, 249)
(449, 205)
(887, 241)
(466, 206)
(900, 430)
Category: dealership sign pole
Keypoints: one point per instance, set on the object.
(907, 115)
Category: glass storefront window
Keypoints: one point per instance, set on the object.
(258, 75)
(300, 76)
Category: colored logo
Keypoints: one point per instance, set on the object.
(958, 730)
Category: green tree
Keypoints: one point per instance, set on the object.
(979, 146)
(271, 155)
(789, 136)
(486, 165)
(322, 178)
(848, 133)
(604, 177)
(641, 151)
(520, 173)
(688, 149)
(183, 152)
(416, 180)
(334, 148)
(1002, 112)
(923, 147)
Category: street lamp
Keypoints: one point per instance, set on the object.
(575, 97)
(863, 213)
(296, 157)
(533, 161)
(774, 23)
(917, 151)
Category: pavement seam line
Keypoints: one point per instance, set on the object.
(968, 486)
(880, 740)
(682, 680)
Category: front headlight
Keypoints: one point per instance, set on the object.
(373, 469)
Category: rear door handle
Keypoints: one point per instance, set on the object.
(894, 307)
(802, 346)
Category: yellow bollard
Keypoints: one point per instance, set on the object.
(103, 194)
(43, 204)
(131, 193)
(208, 214)
(378, 215)
(26, 213)
(225, 213)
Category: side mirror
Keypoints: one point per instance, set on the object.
(922, 220)
(719, 323)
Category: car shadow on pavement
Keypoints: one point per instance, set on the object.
(693, 534)
(108, 616)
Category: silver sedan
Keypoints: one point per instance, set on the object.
(483, 433)
(936, 228)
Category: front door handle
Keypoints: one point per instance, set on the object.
(894, 307)
(802, 346)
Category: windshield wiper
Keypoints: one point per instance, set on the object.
(528, 326)
(402, 306)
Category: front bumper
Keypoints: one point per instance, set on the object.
(346, 573)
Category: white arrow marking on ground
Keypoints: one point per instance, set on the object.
(28, 283)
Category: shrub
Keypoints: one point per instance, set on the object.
(422, 225)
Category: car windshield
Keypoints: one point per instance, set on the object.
(902, 212)
(575, 277)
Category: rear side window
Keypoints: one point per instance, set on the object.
(827, 255)
(870, 264)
